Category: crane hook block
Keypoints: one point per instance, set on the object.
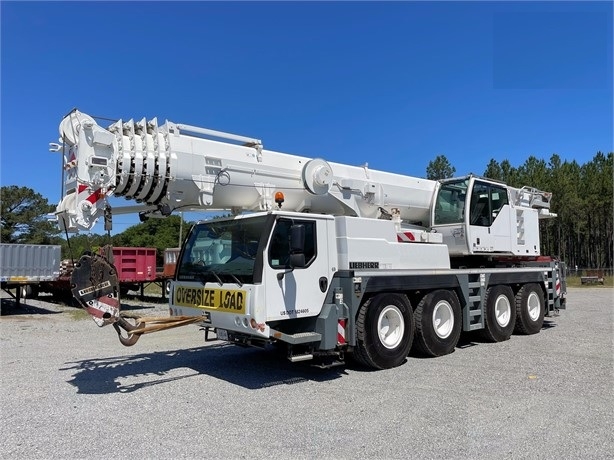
(94, 284)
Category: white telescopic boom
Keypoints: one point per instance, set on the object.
(179, 167)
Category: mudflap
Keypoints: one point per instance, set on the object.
(95, 285)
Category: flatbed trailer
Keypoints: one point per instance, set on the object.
(25, 268)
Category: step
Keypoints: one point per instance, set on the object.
(299, 337)
(297, 358)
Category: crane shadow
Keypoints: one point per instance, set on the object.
(9, 307)
(249, 368)
(471, 339)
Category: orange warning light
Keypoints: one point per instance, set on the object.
(279, 198)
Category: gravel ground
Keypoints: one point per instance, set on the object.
(70, 390)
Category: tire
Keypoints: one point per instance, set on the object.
(384, 331)
(500, 314)
(530, 309)
(25, 291)
(438, 323)
(28, 291)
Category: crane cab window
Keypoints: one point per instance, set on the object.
(450, 204)
(486, 203)
(279, 248)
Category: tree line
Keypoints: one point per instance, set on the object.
(582, 197)
(581, 235)
(25, 217)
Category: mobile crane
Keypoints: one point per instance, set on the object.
(323, 258)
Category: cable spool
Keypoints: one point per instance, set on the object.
(317, 176)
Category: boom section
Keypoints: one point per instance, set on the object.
(162, 168)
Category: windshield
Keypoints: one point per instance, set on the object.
(225, 251)
(450, 205)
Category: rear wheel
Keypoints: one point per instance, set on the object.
(530, 309)
(438, 323)
(500, 314)
(28, 291)
(385, 331)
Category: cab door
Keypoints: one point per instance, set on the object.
(488, 219)
(295, 292)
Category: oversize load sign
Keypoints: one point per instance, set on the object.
(232, 301)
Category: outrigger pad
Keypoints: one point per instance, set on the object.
(95, 285)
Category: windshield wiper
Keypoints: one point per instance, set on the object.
(203, 277)
(219, 280)
(235, 278)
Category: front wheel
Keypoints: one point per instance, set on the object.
(385, 331)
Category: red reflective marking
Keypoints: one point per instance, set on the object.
(94, 197)
(341, 331)
(405, 237)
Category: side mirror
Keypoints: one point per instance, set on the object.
(297, 260)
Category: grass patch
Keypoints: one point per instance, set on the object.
(77, 314)
(149, 289)
(575, 281)
(153, 289)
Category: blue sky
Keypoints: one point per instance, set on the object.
(392, 84)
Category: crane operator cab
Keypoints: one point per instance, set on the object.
(481, 216)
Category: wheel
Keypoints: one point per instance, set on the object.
(385, 331)
(25, 291)
(438, 323)
(530, 309)
(28, 291)
(499, 320)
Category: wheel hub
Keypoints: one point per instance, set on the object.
(390, 327)
(533, 306)
(503, 311)
(443, 319)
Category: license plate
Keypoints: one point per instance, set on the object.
(222, 334)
